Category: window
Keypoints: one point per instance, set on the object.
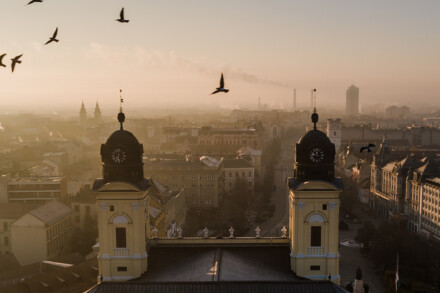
(121, 238)
(112, 208)
(250, 174)
(250, 183)
(77, 220)
(242, 174)
(122, 269)
(5, 226)
(315, 268)
(230, 174)
(315, 236)
(77, 208)
(236, 174)
(87, 210)
(324, 207)
(6, 240)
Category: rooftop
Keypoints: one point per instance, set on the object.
(237, 163)
(51, 212)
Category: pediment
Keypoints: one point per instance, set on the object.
(118, 186)
(317, 185)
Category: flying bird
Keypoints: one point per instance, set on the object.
(1, 58)
(33, 1)
(221, 88)
(15, 60)
(121, 17)
(53, 38)
(367, 147)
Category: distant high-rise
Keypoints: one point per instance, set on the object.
(82, 115)
(97, 114)
(352, 100)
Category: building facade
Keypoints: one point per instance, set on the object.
(36, 189)
(352, 101)
(238, 172)
(201, 177)
(314, 208)
(50, 228)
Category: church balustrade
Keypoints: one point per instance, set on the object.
(316, 250)
(121, 251)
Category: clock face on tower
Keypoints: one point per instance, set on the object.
(119, 155)
(316, 155)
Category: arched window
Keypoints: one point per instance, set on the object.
(316, 218)
(120, 218)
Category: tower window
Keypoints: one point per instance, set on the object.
(324, 207)
(315, 236)
(121, 238)
(315, 268)
(112, 208)
(122, 269)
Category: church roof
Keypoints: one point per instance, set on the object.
(218, 269)
(220, 287)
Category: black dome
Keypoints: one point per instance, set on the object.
(314, 157)
(122, 158)
(122, 137)
(315, 137)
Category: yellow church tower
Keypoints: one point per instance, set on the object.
(314, 208)
(122, 199)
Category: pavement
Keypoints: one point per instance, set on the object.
(279, 197)
(352, 258)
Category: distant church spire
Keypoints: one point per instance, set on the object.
(121, 115)
(97, 114)
(83, 114)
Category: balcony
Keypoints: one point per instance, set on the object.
(121, 252)
(316, 251)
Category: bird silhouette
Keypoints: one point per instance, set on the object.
(367, 148)
(33, 1)
(15, 60)
(53, 38)
(221, 88)
(1, 58)
(121, 17)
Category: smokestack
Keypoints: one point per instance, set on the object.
(294, 100)
(311, 101)
(259, 103)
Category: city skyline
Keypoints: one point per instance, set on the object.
(170, 54)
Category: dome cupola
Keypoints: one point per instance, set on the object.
(121, 156)
(314, 155)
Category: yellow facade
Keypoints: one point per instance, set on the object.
(122, 207)
(49, 240)
(314, 218)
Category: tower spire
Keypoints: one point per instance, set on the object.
(121, 115)
(315, 116)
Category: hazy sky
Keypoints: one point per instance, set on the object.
(173, 51)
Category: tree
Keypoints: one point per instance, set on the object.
(366, 234)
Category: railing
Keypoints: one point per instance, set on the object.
(316, 250)
(121, 251)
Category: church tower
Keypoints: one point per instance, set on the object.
(334, 132)
(314, 208)
(122, 199)
(97, 114)
(82, 115)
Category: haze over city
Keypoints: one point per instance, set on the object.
(232, 146)
(171, 53)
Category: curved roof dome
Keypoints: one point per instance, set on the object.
(122, 137)
(315, 137)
